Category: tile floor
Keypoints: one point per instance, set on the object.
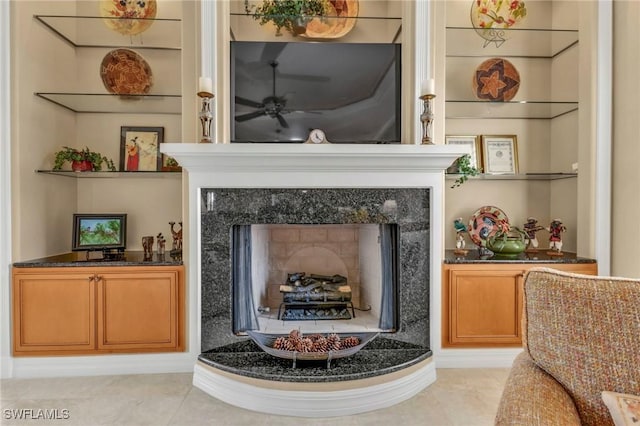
(459, 397)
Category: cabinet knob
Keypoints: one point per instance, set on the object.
(98, 278)
(90, 278)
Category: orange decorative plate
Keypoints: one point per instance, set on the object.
(340, 20)
(128, 17)
(496, 79)
(124, 72)
(485, 222)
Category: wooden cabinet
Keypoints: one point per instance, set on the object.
(482, 302)
(85, 310)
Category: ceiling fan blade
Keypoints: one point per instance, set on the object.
(282, 121)
(248, 102)
(271, 51)
(250, 115)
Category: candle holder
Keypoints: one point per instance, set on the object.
(206, 116)
(426, 118)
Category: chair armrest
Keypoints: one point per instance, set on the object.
(533, 397)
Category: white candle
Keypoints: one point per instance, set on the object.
(205, 85)
(428, 87)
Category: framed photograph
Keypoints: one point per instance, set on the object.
(93, 231)
(472, 142)
(140, 149)
(500, 154)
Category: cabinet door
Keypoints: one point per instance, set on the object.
(53, 312)
(485, 307)
(138, 310)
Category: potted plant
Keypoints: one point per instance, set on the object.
(462, 166)
(288, 14)
(81, 160)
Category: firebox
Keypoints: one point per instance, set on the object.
(315, 272)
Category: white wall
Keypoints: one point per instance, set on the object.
(626, 139)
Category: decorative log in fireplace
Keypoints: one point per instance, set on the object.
(315, 297)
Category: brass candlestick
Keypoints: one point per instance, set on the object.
(427, 118)
(206, 116)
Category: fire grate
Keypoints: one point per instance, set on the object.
(315, 297)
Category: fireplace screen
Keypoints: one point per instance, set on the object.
(326, 272)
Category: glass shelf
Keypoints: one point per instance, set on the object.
(107, 175)
(110, 103)
(515, 42)
(519, 176)
(367, 29)
(91, 31)
(510, 109)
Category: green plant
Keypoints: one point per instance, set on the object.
(287, 14)
(464, 169)
(78, 155)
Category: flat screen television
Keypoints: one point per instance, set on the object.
(106, 232)
(283, 90)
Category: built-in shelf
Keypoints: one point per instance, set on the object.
(513, 42)
(110, 103)
(510, 109)
(93, 31)
(519, 176)
(107, 175)
(367, 29)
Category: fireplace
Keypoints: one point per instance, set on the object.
(320, 230)
(304, 190)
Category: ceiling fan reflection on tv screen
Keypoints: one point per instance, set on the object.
(272, 106)
(283, 90)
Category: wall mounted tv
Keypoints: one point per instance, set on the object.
(282, 90)
(106, 232)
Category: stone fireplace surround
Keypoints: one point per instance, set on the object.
(313, 166)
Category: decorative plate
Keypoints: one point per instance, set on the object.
(491, 18)
(484, 223)
(128, 17)
(341, 18)
(496, 79)
(124, 72)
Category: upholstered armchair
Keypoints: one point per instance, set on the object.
(581, 337)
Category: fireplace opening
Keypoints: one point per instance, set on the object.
(315, 277)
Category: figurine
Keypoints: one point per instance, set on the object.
(556, 228)
(161, 244)
(176, 246)
(530, 229)
(147, 246)
(461, 229)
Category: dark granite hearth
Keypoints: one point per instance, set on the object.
(381, 356)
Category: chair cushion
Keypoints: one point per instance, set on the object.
(585, 332)
(624, 409)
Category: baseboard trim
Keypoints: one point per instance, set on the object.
(476, 358)
(100, 365)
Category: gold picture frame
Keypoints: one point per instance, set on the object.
(472, 141)
(500, 154)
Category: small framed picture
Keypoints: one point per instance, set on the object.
(140, 149)
(471, 141)
(500, 154)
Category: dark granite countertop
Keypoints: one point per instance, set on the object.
(540, 257)
(131, 258)
(380, 356)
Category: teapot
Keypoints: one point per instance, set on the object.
(508, 243)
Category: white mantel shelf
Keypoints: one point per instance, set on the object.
(195, 157)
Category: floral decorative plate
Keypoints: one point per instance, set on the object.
(496, 79)
(491, 18)
(340, 20)
(128, 17)
(124, 72)
(484, 223)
